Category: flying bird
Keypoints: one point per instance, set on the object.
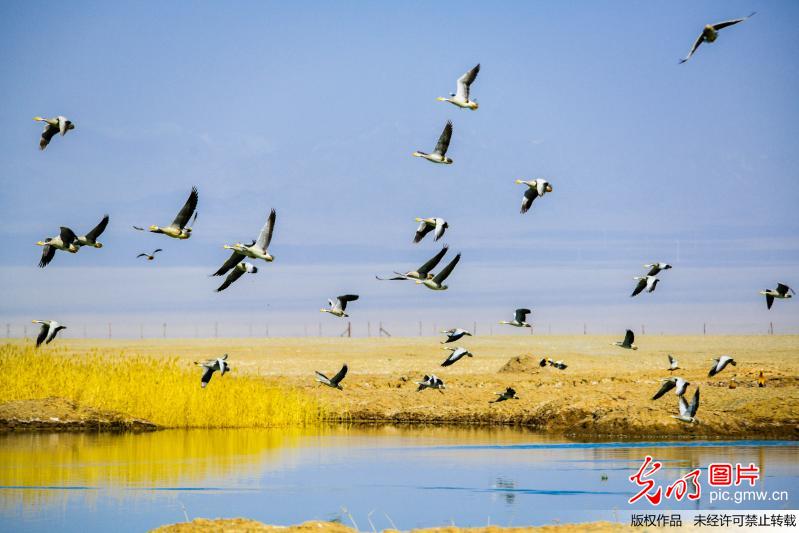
(52, 126)
(560, 365)
(672, 364)
(65, 241)
(338, 307)
(645, 282)
(655, 268)
(672, 383)
(335, 381)
(535, 188)
(460, 98)
(519, 319)
(90, 239)
(456, 355)
(431, 382)
(423, 272)
(426, 225)
(710, 33)
(211, 366)
(178, 229)
(437, 282)
(508, 394)
(629, 339)
(439, 155)
(237, 272)
(150, 256)
(49, 330)
(720, 364)
(688, 411)
(782, 292)
(255, 250)
(454, 334)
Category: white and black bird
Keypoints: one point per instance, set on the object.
(335, 381)
(535, 188)
(257, 249)
(423, 272)
(238, 271)
(436, 283)
(461, 97)
(454, 334)
(431, 382)
(456, 355)
(52, 126)
(782, 292)
(439, 155)
(179, 229)
(711, 32)
(66, 241)
(679, 384)
(645, 282)
(688, 410)
(628, 342)
(213, 365)
(90, 239)
(721, 363)
(48, 331)
(426, 225)
(519, 319)
(338, 307)
(151, 255)
(673, 364)
(656, 268)
(560, 365)
(508, 394)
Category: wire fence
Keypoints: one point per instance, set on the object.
(379, 329)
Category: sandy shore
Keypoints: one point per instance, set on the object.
(604, 392)
(241, 525)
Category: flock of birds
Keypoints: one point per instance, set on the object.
(236, 265)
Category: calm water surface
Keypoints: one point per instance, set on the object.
(390, 476)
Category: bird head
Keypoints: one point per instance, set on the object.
(254, 269)
(548, 187)
(98, 245)
(447, 160)
(472, 105)
(269, 257)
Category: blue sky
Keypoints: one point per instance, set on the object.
(315, 108)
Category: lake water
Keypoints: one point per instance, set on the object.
(388, 476)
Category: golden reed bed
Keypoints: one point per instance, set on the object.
(604, 392)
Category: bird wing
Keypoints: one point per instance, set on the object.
(714, 369)
(48, 252)
(138, 228)
(671, 360)
(321, 377)
(699, 40)
(521, 314)
(721, 25)
(340, 376)
(97, 230)
(629, 337)
(510, 391)
(541, 187)
(344, 298)
(769, 301)
(232, 277)
(398, 277)
(694, 407)
(443, 141)
(666, 387)
(188, 208)
(462, 91)
(685, 409)
(156, 251)
(142, 255)
(432, 262)
(209, 371)
(67, 235)
(47, 134)
(527, 201)
(421, 231)
(234, 259)
(640, 287)
(42, 334)
(265, 237)
(447, 270)
(441, 227)
(783, 289)
(653, 271)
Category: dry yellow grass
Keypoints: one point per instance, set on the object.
(605, 390)
(165, 391)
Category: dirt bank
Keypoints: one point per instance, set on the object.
(57, 414)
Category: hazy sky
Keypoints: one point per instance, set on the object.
(315, 108)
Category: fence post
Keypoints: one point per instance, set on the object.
(704, 328)
(771, 328)
(8, 330)
(420, 328)
(267, 330)
(216, 329)
(585, 329)
(25, 331)
(141, 331)
(368, 328)
(164, 333)
(474, 327)
(109, 330)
